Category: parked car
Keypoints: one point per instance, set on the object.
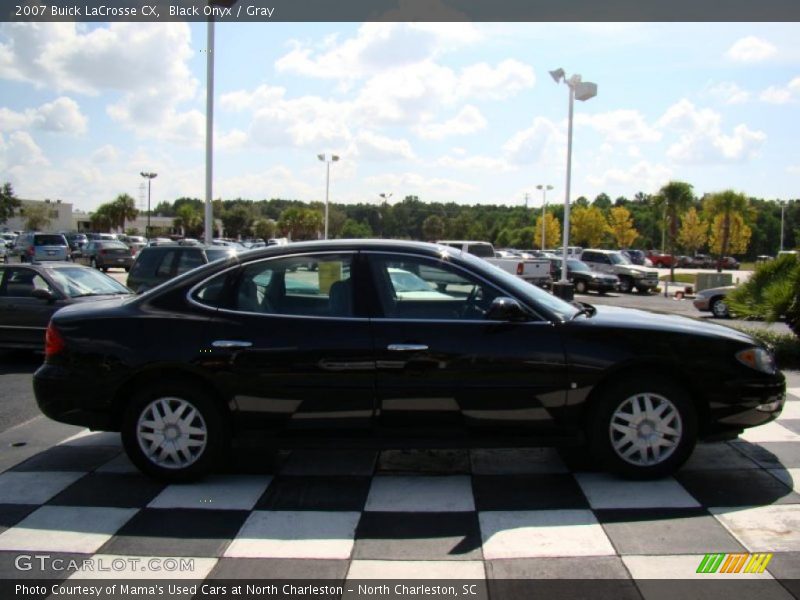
(637, 257)
(630, 276)
(135, 243)
(31, 293)
(227, 350)
(76, 242)
(659, 259)
(36, 246)
(532, 270)
(105, 254)
(583, 278)
(7, 239)
(728, 262)
(156, 264)
(713, 301)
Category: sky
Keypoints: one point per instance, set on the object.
(447, 112)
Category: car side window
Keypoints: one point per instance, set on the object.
(164, 268)
(318, 286)
(429, 289)
(188, 260)
(212, 292)
(21, 283)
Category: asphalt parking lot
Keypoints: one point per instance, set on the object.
(489, 515)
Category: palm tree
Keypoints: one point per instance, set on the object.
(725, 203)
(188, 218)
(674, 199)
(124, 210)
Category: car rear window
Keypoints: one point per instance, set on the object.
(49, 240)
(109, 244)
(146, 261)
(481, 250)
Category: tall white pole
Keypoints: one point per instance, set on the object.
(327, 193)
(544, 209)
(209, 213)
(569, 176)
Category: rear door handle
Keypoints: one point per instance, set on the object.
(407, 347)
(231, 344)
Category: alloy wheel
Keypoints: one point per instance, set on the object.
(172, 433)
(645, 429)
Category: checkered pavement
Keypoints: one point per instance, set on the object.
(356, 514)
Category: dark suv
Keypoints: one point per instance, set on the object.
(156, 264)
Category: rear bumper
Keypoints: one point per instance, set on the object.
(65, 399)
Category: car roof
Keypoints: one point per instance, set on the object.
(601, 250)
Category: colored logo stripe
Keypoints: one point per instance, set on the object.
(734, 563)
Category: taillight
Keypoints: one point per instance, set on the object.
(520, 268)
(53, 342)
(31, 251)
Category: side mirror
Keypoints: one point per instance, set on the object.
(46, 295)
(504, 308)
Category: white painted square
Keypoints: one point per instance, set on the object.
(117, 566)
(35, 487)
(88, 438)
(791, 410)
(794, 392)
(606, 491)
(420, 493)
(223, 492)
(296, 534)
(771, 528)
(65, 529)
(682, 566)
(516, 461)
(771, 432)
(790, 477)
(542, 533)
(416, 569)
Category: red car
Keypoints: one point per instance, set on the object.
(661, 260)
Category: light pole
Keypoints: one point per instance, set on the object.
(783, 206)
(386, 197)
(544, 189)
(149, 177)
(582, 90)
(327, 160)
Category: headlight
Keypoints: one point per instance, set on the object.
(759, 359)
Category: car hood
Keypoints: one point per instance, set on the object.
(631, 318)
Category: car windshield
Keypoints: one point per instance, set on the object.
(49, 240)
(577, 265)
(617, 258)
(526, 291)
(81, 281)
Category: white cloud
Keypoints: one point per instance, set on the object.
(62, 115)
(644, 175)
(21, 151)
(105, 154)
(429, 189)
(276, 182)
(484, 81)
(728, 92)
(468, 120)
(372, 146)
(750, 50)
(543, 140)
(776, 94)
(620, 126)
(702, 139)
(487, 163)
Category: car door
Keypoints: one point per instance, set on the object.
(292, 347)
(444, 369)
(23, 318)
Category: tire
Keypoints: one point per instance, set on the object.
(580, 287)
(630, 451)
(642, 289)
(625, 285)
(719, 308)
(208, 431)
(93, 263)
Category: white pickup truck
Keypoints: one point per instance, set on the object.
(535, 270)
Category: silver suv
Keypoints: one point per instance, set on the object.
(630, 276)
(35, 246)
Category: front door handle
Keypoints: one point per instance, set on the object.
(407, 347)
(231, 344)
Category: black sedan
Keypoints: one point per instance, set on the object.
(31, 293)
(583, 278)
(336, 356)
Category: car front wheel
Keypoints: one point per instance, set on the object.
(174, 432)
(580, 287)
(720, 309)
(643, 428)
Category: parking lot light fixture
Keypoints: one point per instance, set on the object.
(544, 189)
(582, 90)
(327, 160)
(149, 177)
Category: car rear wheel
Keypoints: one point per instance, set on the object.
(642, 428)
(719, 308)
(580, 287)
(93, 263)
(174, 432)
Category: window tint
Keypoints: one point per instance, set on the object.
(423, 288)
(482, 250)
(188, 260)
(165, 266)
(49, 240)
(211, 292)
(299, 285)
(20, 283)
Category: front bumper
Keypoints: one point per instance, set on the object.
(743, 403)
